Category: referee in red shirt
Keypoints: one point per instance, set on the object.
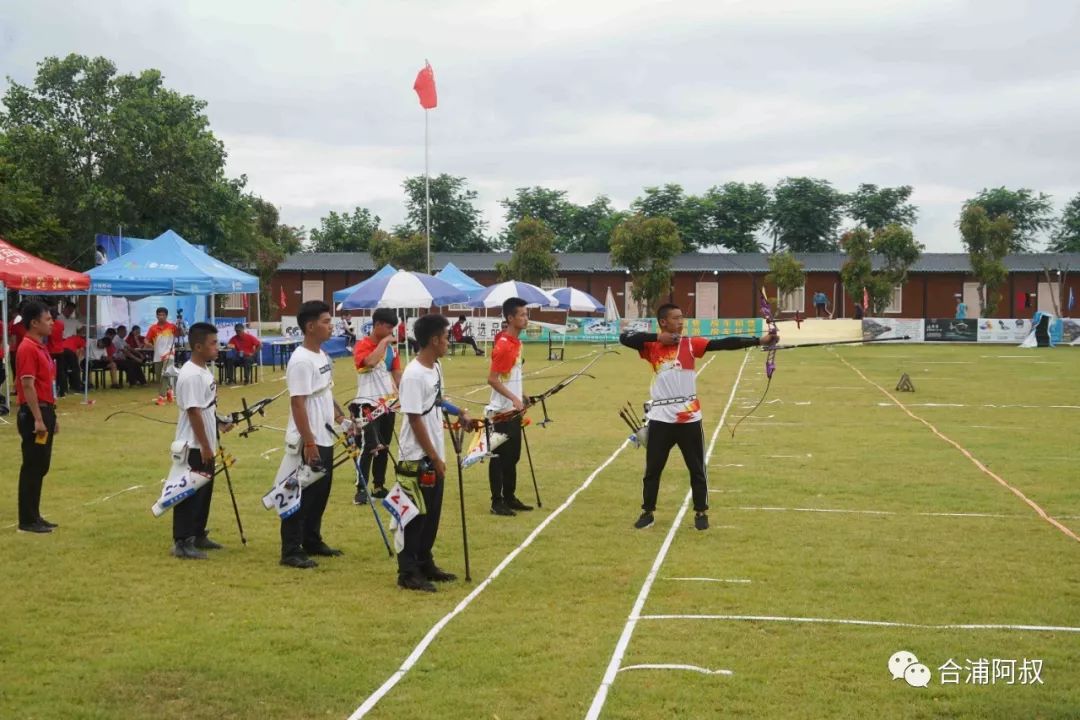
(37, 414)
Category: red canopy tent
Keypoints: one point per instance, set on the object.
(32, 275)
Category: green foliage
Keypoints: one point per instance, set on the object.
(344, 232)
(97, 151)
(646, 246)
(987, 241)
(875, 208)
(899, 250)
(576, 228)
(727, 216)
(805, 215)
(533, 259)
(25, 218)
(456, 223)
(405, 252)
(1067, 233)
(785, 273)
(1031, 213)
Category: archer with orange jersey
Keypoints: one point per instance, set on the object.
(674, 410)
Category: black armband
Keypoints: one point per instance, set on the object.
(732, 343)
(637, 340)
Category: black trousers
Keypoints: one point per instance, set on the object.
(303, 529)
(190, 516)
(502, 470)
(470, 341)
(68, 372)
(420, 533)
(379, 432)
(36, 459)
(233, 361)
(691, 441)
(3, 377)
(133, 370)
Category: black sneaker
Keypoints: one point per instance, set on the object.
(361, 497)
(47, 524)
(323, 550)
(186, 550)
(379, 492)
(701, 521)
(35, 527)
(646, 520)
(437, 574)
(515, 504)
(204, 543)
(499, 507)
(415, 582)
(300, 561)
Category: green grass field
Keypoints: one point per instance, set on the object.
(98, 621)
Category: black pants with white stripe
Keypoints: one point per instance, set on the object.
(191, 515)
(691, 441)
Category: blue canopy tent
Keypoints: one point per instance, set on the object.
(169, 265)
(460, 280)
(385, 271)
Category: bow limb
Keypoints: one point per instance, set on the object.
(770, 356)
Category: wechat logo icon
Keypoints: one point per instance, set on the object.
(904, 665)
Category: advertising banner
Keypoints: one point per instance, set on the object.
(952, 330)
(888, 328)
(1003, 331)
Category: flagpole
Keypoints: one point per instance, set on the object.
(427, 192)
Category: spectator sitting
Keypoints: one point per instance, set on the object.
(244, 352)
(100, 360)
(403, 337)
(135, 339)
(462, 333)
(126, 358)
(350, 336)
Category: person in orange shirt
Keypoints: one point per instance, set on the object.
(36, 420)
(378, 375)
(507, 393)
(245, 352)
(162, 338)
(674, 411)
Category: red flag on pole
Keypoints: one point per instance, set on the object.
(865, 299)
(281, 299)
(425, 87)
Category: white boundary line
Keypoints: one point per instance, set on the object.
(844, 511)
(664, 666)
(974, 460)
(704, 579)
(870, 623)
(373, 699)
(628, 630)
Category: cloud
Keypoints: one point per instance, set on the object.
(314, 99)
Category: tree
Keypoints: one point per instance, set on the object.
(108, 150)
(1067, 233)
(785, 273)
(874, 207)
(544, 204)
(988, 241)
(26, 218)
(456, 223)
(533, 259)
(899, 250)
(805, 215)
(688, 212)
(591, 226)
(1030, 213)
(405, 252)
(735, 212)
(345, 232)
(646, 246)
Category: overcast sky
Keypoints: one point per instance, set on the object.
(315, 105)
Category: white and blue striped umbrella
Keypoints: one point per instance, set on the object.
(496, 295)
(577, 301)
(404, 289)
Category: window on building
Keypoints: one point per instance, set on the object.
(794, 301)
(553, 283)
(894, 307)
(232, 301)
